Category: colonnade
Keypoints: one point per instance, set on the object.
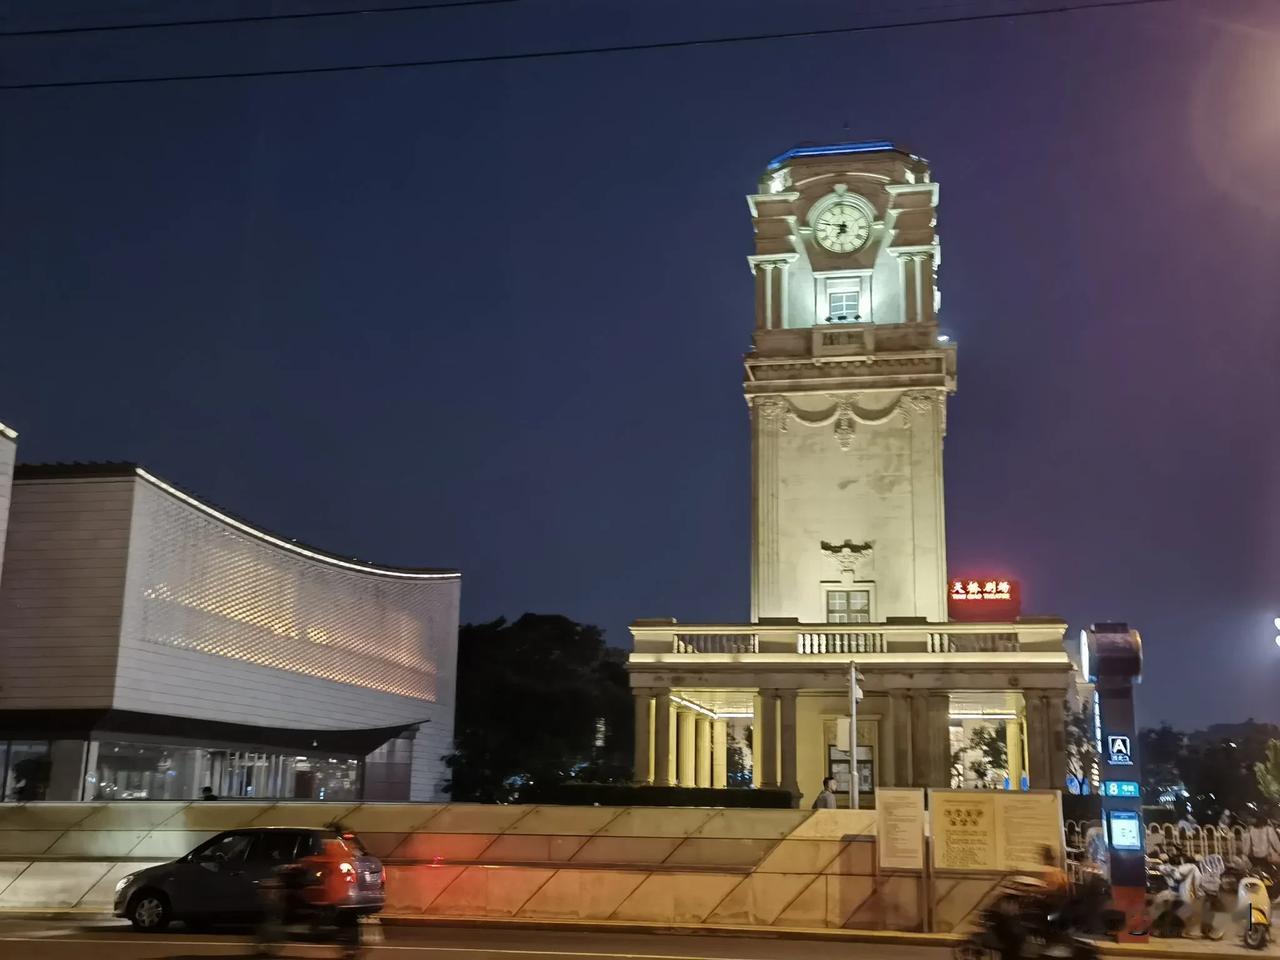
(679, 743)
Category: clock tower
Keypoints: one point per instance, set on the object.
(847, 384)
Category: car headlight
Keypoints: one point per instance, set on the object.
(123, 882)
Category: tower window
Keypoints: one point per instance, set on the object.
(843, 306)
(843, 297)
(848, 606)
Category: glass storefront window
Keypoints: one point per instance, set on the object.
(146, 771)
(26, 772)
(137, 771)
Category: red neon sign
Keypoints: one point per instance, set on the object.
(983, 598)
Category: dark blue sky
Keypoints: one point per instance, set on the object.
(493, 316)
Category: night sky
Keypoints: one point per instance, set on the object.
(492, 316)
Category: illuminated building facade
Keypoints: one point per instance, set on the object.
(152, 645)
(847, 385)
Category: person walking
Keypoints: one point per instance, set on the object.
(826, 800)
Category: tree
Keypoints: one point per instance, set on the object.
(1162, 753)
(1267, 772)
(1082, 748)
(992, 750)
(985, 752)
(540, 701)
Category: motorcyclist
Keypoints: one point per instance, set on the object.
(1188, 896)
(311, 889)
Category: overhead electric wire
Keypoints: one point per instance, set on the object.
(583, 51)
(259, 18)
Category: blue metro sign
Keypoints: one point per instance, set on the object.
(1121, 788)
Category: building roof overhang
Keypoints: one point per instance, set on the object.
(56, 724)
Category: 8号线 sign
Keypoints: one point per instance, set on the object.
(983, 599)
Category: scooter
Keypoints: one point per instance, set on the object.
(1018, 920)
(1253, 903)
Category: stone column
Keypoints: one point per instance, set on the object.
(768, 735)
(702, 772)
(757, 753)
(903, 315)
(686, 747)
(919, 703)
(917, 288)
(720, 754)
(900, 734)
(1037, 741)
(664, 739)
(787, 744)
(1056, 718)
(769, 415)
(924, 279)
(1013, 744)
(939, 737)
(644, 736)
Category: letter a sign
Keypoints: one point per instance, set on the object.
(1119, 749)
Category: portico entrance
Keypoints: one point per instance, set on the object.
(938, 711)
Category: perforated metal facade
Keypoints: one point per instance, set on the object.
(124, 593)
(208, 587)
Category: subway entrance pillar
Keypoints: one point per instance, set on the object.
(1111, 659)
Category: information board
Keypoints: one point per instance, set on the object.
(1026, 823)
(996, 830)
(963, 823)
(901, 828)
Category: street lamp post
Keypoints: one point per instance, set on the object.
(855, 694)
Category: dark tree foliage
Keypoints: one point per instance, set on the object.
(540, 701)
(1215, 767)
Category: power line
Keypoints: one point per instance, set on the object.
(214, 21)
(584, 51)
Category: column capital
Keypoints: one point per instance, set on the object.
(771, 260)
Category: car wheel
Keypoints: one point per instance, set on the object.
(149, 910)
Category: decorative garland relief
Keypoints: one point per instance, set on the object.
(843, 415)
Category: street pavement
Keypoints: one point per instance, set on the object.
(40, 939)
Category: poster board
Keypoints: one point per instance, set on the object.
(996, 831)
(1027, 823)
(900, 829)
(963, 826)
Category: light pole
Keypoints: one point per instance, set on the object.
(855, 694)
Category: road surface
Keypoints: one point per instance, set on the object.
(23, 939)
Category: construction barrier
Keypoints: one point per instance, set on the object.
(656, 865)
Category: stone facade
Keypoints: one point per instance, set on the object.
(847, 385)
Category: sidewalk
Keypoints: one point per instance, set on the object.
(1168, 949)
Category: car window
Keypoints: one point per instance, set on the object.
(228, 848)
(275, 846)
(311, 845)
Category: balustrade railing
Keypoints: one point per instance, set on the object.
(840, 643)
(973, 643)
(813, 639)
(715, 643)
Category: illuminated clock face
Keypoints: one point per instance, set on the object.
(842, 228)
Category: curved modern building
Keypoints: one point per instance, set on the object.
(152, 645)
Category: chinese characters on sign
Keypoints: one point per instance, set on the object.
(981, 590)
(1121, 788)
(1119, 751)
(999, 830)
(984, 598)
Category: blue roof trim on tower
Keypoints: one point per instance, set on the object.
(861, 146)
